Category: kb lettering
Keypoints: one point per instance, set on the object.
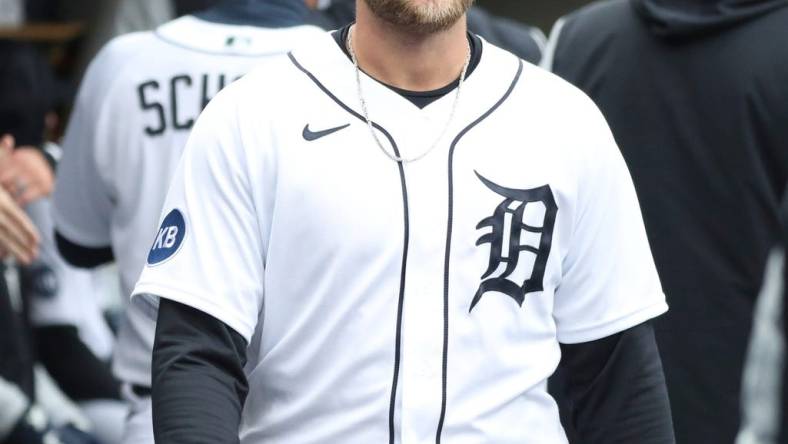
(166, 238)
(169, 238)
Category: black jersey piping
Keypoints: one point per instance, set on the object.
(448, 244)
(400, 303)
(81, 256)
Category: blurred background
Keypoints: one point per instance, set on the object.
(541, 13)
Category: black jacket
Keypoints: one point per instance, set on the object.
(696, 93)
(524, 41)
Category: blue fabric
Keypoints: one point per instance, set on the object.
(260, 13)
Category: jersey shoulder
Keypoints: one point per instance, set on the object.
(275, 82)
(561, 112)
(113, 60)
(553, 95)
(127, 43)
(110, 66)
(266, 88)
(124, 49)
(195, 35)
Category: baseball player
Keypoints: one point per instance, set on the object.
(391, 235)
(138, 101)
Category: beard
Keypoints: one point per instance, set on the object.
(420, 16)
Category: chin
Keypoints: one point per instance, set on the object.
(420, 16)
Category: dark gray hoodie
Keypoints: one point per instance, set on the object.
(696, 92)
(693, 18)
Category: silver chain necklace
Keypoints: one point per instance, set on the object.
(365, 109)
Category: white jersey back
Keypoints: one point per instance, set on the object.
(138, 101)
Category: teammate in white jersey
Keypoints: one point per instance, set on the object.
(386, 252)
(138, 101)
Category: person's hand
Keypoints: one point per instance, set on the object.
(24, 172)
(18, 235)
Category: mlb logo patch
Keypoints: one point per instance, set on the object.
(168, 239)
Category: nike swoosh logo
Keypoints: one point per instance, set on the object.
(310, 135)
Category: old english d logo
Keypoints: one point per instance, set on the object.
(507, 225)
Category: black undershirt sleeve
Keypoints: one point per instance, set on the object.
(616, 390)
(199, 386)
(615, 385)
(80, 256)
(59, 349)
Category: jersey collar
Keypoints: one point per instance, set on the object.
(218, 38)
(409, 125)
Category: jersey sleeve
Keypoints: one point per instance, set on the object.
(208, 252)
(609, 281)
(82, 200)
(56, 291)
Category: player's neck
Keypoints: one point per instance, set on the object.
(414, 62)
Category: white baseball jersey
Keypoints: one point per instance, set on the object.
(62, 294)
(138, 101)
(412, 303)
